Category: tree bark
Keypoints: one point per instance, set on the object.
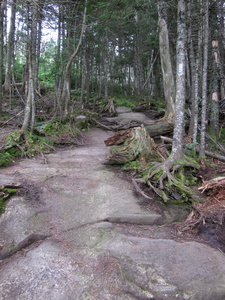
(195, 67)
(29, 118)
(66, 87)
(216, 70)
(178, 134)
(2, 9)
(204, 77)
(106, 69)
(137, 60)
(166, 65)
(214, 114)
(10, 50)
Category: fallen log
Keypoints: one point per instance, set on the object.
(208, 153)
(154, 129)
(158, 129)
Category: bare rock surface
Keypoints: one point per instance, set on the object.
(80, 233)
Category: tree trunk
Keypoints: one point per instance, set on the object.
(204, 77)
(88, 74)
(66, 87)
(29, 118)
(214, 113)
(196, 87)
(221, 46)
(178, 135)
(194, 65)
(106, 70)
(216, 70)
(137, 60)
(83, 80)
(166, 65)
(2, 9)
(10, 50)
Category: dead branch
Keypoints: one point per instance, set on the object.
(10, 119)
(213, 184)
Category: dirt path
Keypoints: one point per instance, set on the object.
(81, 234)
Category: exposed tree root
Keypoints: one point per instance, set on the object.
(139, 190)
(162, 174)
(109, 108)
(25, 243)
(162, 179)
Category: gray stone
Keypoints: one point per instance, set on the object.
(96, 246)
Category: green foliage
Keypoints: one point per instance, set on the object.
(124, 102)
(8, 192)
(190, 149)
(157, 103)
(222, 136)
(35, 144)
(5, 158)
(18, 69)
(2, 205)
(42, 139)
(47, 64)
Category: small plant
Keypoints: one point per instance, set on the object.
(125, 102)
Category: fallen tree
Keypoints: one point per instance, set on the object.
(153, 128)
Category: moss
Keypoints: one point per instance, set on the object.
(157, 175)
(7, 193)
(5, 158)
(186, 177)
(2, 205)
(164, 196)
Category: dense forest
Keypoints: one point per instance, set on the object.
(61, 58)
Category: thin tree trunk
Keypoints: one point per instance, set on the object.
(66, 88)
(196, 87)
(222, 46)
(10, 50)
(106, 70)
(166, 65)
(88, 71)
(29, 118)
(152, 62)
(204, 78)
(2, 9)
(178, 135)
(216, 70)
(214, 114)
(83, 79)
(193, 70)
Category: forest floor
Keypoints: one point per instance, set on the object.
(79, 231)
